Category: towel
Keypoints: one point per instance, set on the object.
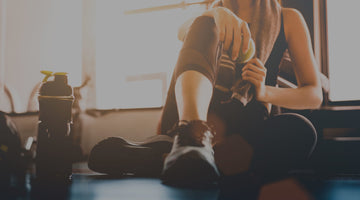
(265, 27)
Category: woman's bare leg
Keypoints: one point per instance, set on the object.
(191, 160)
(190, 90)
(193, 92)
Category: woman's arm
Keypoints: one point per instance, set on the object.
(308, 95)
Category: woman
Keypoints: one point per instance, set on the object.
(248, 139)
(192, 97)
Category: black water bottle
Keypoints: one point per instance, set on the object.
(53, 154)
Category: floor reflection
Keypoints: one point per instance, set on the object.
(240, 187)
(96, 186)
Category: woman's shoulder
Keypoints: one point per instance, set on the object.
(293, 21)
(291, 13)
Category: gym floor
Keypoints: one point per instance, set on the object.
(91, 186)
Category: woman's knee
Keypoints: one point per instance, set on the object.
(300, 124)
(202, 30)
(297, 128)
(200, 49)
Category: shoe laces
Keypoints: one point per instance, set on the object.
(192, 133)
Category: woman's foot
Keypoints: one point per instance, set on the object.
(191, 160)
(116, 156)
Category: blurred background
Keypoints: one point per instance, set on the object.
(120, 56)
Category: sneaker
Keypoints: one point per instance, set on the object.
(116, 156)
(191, 160)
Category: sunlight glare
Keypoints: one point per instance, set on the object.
(344, 43)
(135, 44)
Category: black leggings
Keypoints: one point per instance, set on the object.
(281, 141)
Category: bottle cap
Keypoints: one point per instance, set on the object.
(47, 75)
(60, 73)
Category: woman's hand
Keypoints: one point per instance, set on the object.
(255, 72)
(231, 30)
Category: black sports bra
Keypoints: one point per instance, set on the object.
(273, 62)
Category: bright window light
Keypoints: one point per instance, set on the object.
(136, 45)
(343, 43)
(61, 46)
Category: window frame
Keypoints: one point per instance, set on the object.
(321, 48)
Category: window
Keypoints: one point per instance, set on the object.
(136, 53)
(38, 35)
(343, 49)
